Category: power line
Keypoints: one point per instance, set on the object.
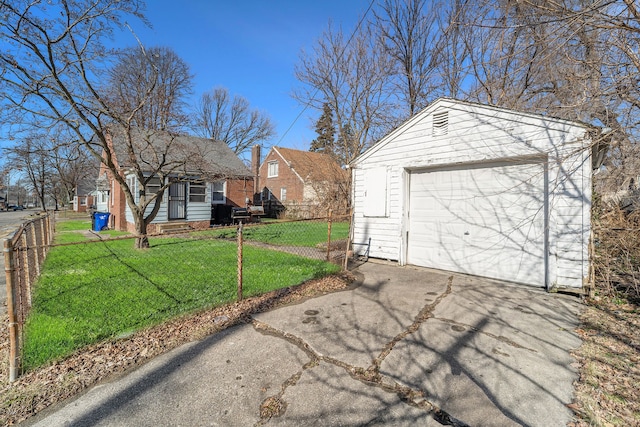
(315, 92)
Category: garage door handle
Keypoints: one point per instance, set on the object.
(466, 233)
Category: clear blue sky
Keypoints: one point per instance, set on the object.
(251, 48)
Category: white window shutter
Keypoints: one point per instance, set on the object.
(375, 193)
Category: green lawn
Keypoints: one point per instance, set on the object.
(73, 225)
(72, 231)
(94, 291)
(295, 233)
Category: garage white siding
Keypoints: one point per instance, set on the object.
(480, 143)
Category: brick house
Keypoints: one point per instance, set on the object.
(82, 202)
(210, 180)
(303, 184)
(84, 196)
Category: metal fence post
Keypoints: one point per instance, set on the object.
(36, 249)
(50, 226)
(345, 266)
(240, 261)
(13, 326)
(43, 238)
(329, 236)
(26, 266)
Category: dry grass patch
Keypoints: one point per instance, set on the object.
(608, 391)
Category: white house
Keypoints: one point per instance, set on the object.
(480, 190)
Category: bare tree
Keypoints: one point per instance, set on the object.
(150, 85)
(565, 59)
(55, 63)
(450, 53)
(31, 156)
(351, 76)
(229, 119)
(73, 166)
(408, 32)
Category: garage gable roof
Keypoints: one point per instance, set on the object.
(499, 113)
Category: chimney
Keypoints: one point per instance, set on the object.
(255, 168)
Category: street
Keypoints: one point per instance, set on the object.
(9, 221)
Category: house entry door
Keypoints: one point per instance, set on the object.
(178, 200)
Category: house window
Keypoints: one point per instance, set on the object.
(217, 192)
(283, 194)
(83, 201)
(131, 183)
(197, 191)
(153, 186)
(273, 169)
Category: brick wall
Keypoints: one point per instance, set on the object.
(117, 205)
(238, 191)
(117, 202)
(79, 207)
(156, 228)
(286, 179)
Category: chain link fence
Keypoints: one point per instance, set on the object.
(24, 255)
(97, 273)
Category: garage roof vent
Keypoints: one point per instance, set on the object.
(440, 123)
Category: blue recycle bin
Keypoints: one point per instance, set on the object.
(100, 221)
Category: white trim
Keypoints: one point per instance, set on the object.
(273, 169)
(224, 193)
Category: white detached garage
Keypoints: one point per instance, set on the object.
(479, 190)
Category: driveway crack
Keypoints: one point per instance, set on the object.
(423, 316)
(500, 338)
(275, 406)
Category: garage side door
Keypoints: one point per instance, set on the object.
(486, 221)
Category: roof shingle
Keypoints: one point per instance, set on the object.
(168, 152)
(312, 166)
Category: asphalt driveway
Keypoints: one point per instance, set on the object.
(409, 346)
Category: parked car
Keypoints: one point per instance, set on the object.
(15, 208)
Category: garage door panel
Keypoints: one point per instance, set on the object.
(486, 221)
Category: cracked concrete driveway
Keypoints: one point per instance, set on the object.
(409, 346)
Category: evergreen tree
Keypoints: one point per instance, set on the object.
(325, 129)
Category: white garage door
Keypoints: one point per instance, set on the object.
(481, 220)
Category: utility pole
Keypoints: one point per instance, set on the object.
(6, 193)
